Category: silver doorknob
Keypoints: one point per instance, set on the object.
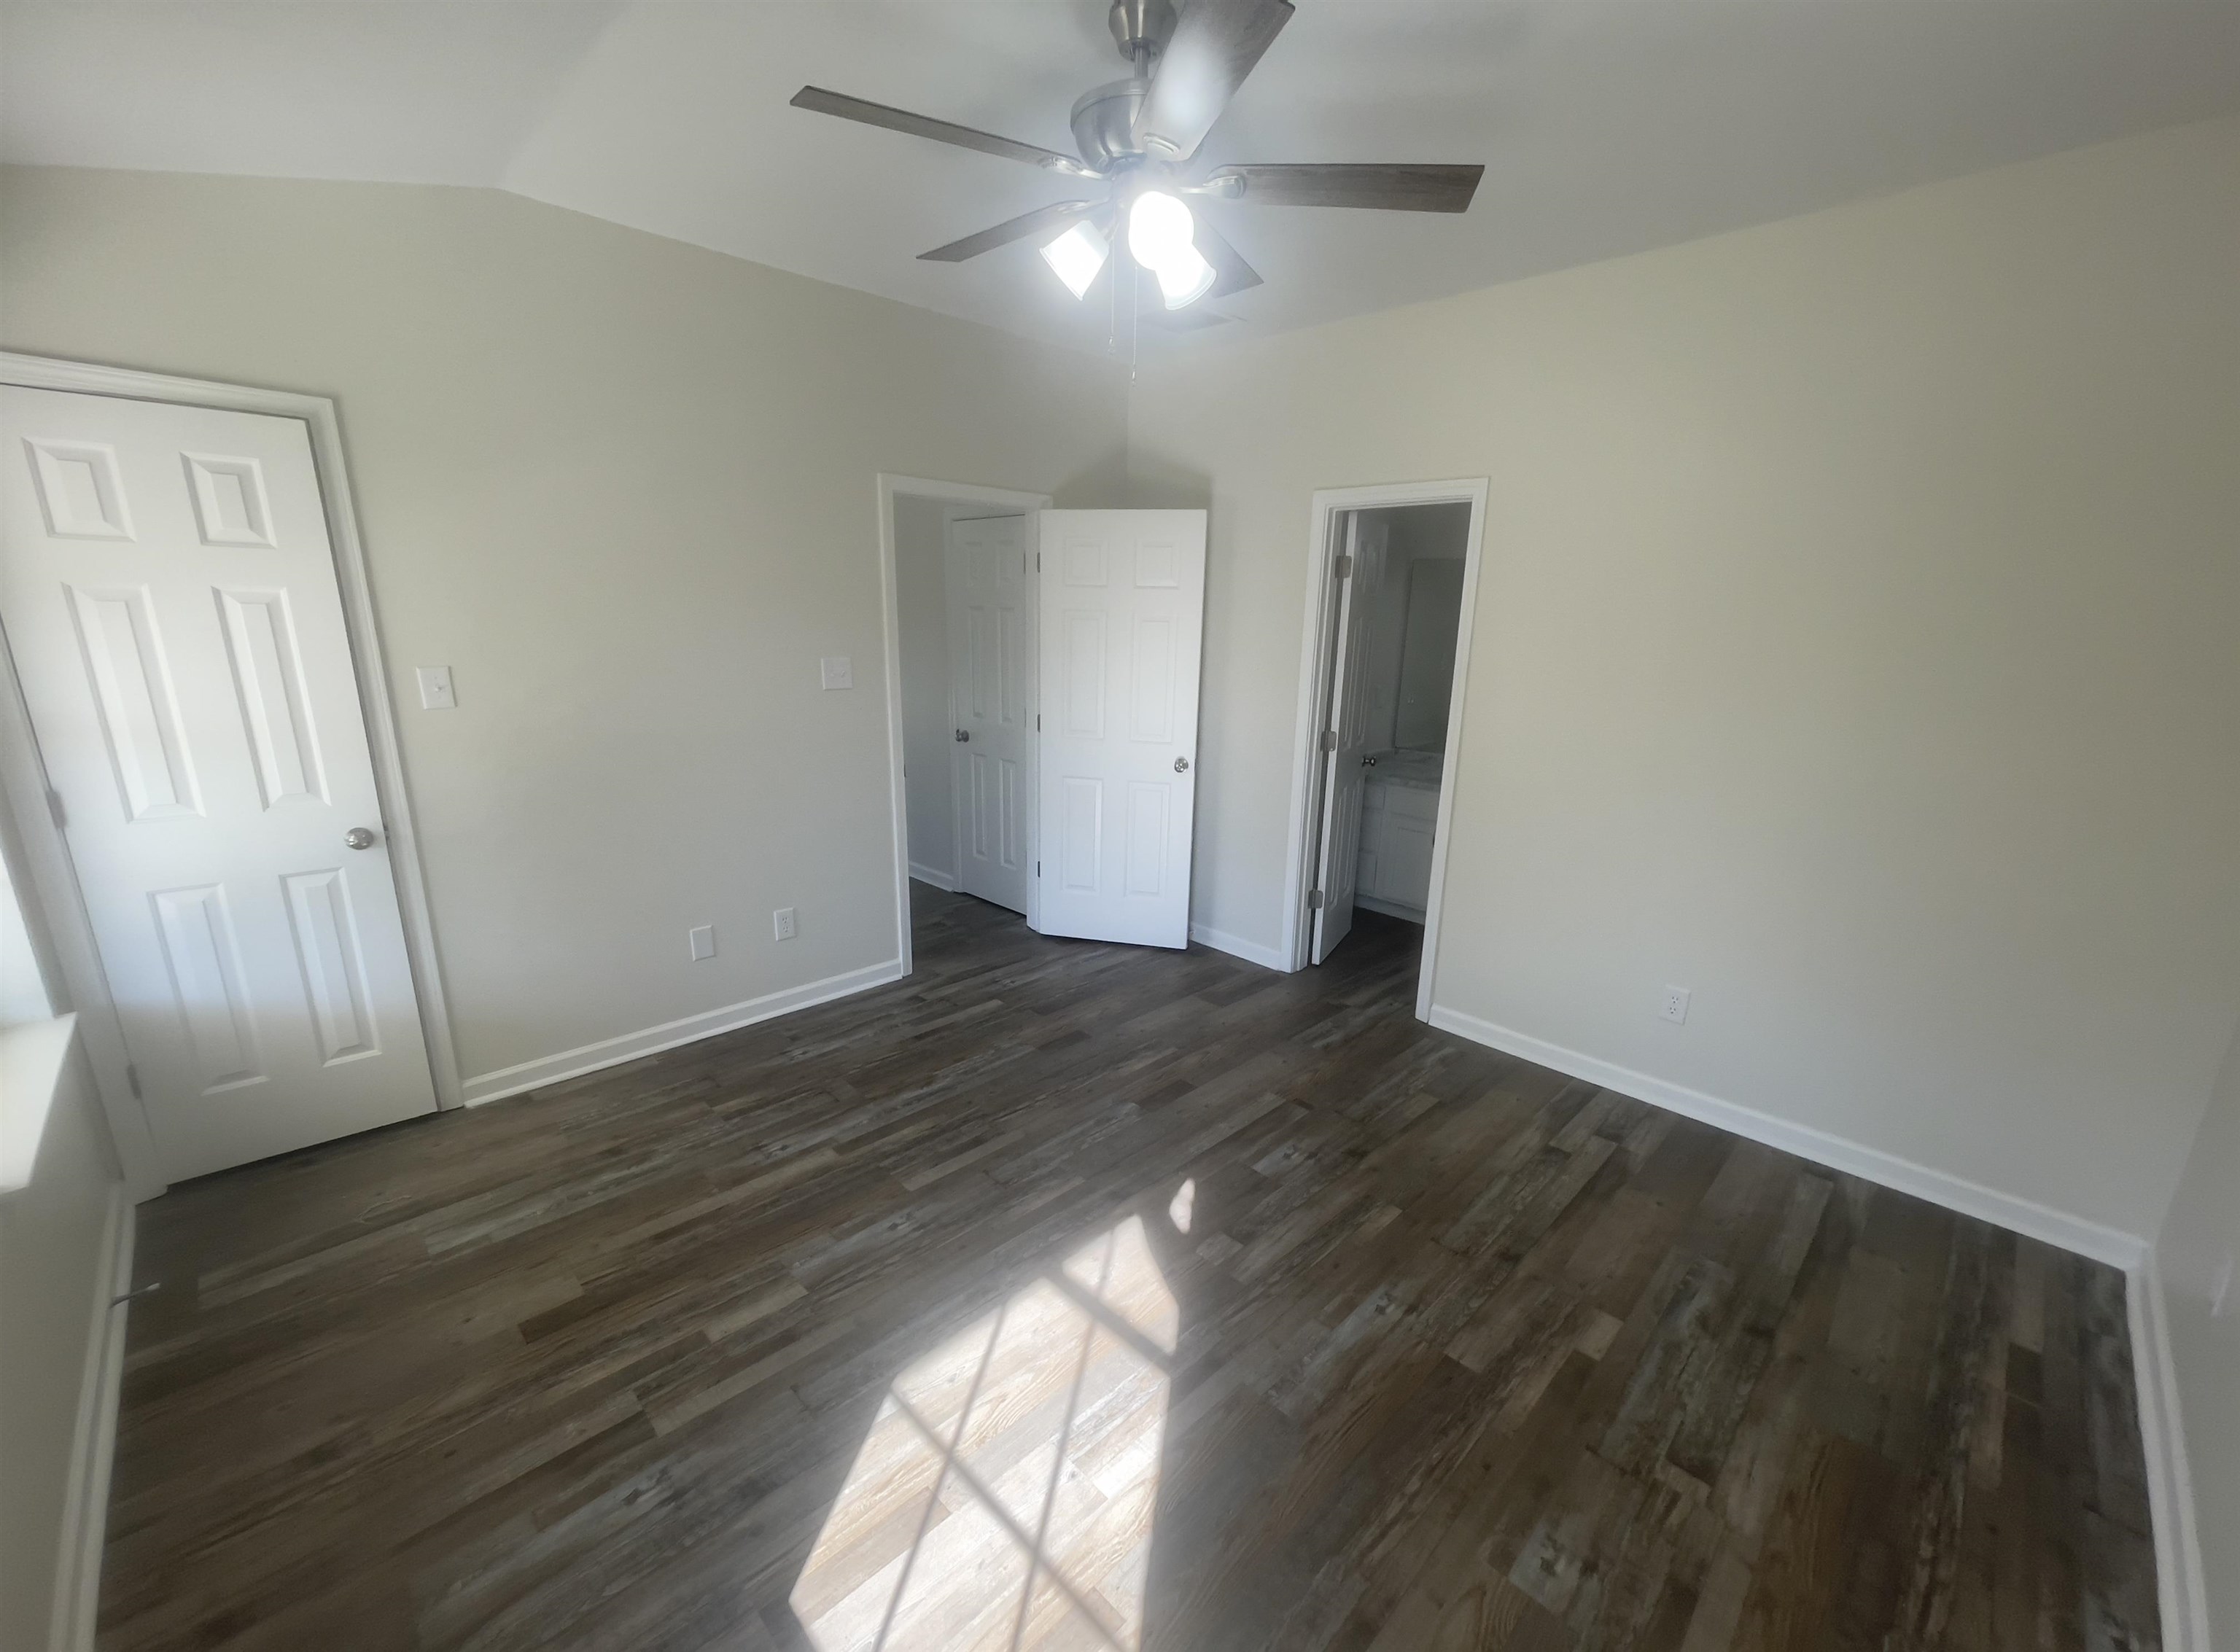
(358, 837)
(1369, 762)
(963, 736)
(1181, 765)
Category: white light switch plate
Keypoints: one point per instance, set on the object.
(436, 688)
(837, 670)
(702, 941)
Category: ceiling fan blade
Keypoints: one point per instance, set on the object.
(1027, 223)
(901, 120)
(1212, 50)
(1231, 273)
(1190, 320)
(1393, 189)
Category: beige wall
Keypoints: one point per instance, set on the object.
(625, 488)
(54, 1248)
(2199, 1250)
(1855, 646)
(921, 529)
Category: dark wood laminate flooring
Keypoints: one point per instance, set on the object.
(1067, 1296)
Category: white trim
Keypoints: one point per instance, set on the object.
(89, 987)
(940, 879)
(1003, 499)
(1390, 909)
(612, 1052)
(2184, 1607)
(93, 1438)
(2008, 1210)
(1237, 947)
(2178, 1574)
(1316, 642)
(35, 1065)
(60, 901)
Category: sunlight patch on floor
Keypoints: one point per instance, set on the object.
(1005, 1496)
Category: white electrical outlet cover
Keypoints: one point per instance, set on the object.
(435, 693)
(1675, 1004)
(782, 923)
(702, 942)
(838, 671)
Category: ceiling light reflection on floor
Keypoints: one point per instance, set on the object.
(1005, 1496)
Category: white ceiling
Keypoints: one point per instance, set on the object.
(1606, 126)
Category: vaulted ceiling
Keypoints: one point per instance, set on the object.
(1605, 126)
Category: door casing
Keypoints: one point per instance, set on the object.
(23, 779)
(1339, 824)
(998, 501)
(1325, 531)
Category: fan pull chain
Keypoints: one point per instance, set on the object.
(1135, 313)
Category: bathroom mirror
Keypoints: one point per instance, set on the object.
(1427, 654)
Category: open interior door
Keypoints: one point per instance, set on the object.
(1345, 737)
(1123, 610)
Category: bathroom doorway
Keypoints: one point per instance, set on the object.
(1387, 642)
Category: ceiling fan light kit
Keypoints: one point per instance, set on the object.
(1137, 136)
(1160, 238)
(1077, 256)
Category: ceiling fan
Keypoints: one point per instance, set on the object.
(1137, 137)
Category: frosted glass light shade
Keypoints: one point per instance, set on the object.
(1077, 256)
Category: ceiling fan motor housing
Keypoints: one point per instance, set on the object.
(1104, 122)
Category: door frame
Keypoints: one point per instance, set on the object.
(22, 774)
(1000, 501)
(1316, 659)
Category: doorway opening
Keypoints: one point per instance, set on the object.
(1388, 643)
(965, 592)
(1043, 707)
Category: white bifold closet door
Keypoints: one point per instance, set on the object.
(1123, 612)
(172, 606)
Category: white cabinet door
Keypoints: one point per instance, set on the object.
(991, 663)
(1122, 608)
(171, 601)
(1347, 741)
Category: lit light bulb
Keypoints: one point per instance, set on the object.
(1160, 232)
(1184, 276)
(1159, 227)
(1077, 256)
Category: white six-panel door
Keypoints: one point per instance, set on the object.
(171, 600)
(1123, 610)
(991, 663)
(1347, 739)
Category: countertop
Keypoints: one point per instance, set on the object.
(1420, 770)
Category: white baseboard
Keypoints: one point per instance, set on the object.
(93, 1441)
(612, 1052)
(939, 879)
(2180, 1583)
(2093, 1239)
(1390, 909)
(1237, 947)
